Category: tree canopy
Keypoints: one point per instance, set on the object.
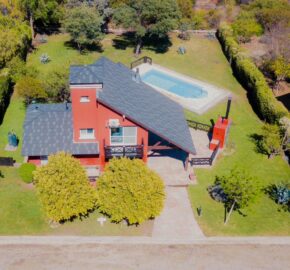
(246, 26)
(15, 38)
(83, 24)
(148, 17)
(63, 188)
(30, 89)
(129, 190)
(43, 11)
(241, 189)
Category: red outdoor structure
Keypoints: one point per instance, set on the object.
(220, 132)
(221, 129)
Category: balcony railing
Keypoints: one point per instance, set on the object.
(130, 151)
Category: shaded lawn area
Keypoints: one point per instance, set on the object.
(204, 60)
(21, 214)
(13, 120)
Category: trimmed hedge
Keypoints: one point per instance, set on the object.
(260, 94)
(5, 92)
(25, 172)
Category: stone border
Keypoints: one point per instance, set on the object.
(199, 105)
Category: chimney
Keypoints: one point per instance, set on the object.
(136, 76)
(228, 107)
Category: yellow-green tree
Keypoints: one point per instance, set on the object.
(63, 188)
(30, 89)
(129, 190)
(14, 39)
(281, 69)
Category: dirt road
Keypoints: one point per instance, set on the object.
(144, 256)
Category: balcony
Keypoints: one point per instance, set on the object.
(129, 151)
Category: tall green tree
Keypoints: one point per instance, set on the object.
(30, 89)
(46, 11)
(148, 17)
(241, 190)
(56, 85)
(14, 39)
(83, 24)
(63, 188)
(129, 190)
(30, 7)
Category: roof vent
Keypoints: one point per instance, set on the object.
(35, 108)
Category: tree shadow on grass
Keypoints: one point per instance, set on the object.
(124, 41)
(152, 43)
(95, 47)
(257, 140)
(157, 44)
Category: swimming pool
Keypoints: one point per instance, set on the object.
(173, 84)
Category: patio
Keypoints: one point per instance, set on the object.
(169, 164)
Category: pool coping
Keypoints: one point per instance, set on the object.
(200, 105)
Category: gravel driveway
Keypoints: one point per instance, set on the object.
(143, 256)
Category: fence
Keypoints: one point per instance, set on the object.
(206, 161)
(199, 126)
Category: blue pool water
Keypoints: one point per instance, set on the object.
(173, 84)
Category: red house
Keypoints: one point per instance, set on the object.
(111, 114)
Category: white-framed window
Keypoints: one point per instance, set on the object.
(84, 99)
(87, 133)
(123, 136)
(43, 160)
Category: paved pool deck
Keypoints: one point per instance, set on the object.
(198, 105)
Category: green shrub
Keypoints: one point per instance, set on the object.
(25, 172)
(260, 94)
(63, 188)
(129, 190)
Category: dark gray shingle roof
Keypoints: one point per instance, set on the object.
(48, 129)
(137, 101)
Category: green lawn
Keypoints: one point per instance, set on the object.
(204, 60)
(21, 214)
(13, 121)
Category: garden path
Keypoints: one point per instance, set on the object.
(176, 220)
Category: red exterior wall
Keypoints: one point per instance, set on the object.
(219, 133)
(88, 160)
(34, 160)
(96, 115)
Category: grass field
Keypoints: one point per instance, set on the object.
(204, 60)
(13, 121)
(21, 214)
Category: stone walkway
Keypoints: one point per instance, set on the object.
(170, 169)
(177, 220)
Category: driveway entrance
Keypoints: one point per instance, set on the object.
(176, 220)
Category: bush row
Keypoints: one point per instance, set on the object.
(261, 96)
